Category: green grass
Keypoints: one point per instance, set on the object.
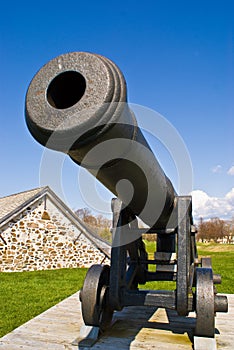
(23, 295)
(163, 285)
(222, 262)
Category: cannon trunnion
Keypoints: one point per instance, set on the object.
(77, 104)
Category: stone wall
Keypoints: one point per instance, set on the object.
(34, 241)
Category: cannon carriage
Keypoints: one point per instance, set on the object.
(77, 104)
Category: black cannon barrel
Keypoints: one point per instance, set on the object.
(77, 104)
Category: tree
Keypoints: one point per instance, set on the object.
(215, 229)
(201, 234)
(83, 213)
(102, 221)
(99, 224)
(230, 228)
(105, 233)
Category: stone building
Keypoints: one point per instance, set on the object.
(38, 231)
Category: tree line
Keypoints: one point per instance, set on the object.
(98, 223)
(216, 230)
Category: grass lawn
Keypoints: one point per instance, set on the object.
(23, 295)
(222, 262)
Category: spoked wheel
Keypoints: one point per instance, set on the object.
(94, 297)
(205, 326)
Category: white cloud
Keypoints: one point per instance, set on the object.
(230, 197)
(206, 206)
(217, 169)
(231, 171)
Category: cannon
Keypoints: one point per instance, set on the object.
(77, 104)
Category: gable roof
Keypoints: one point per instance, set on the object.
(11, 206)
(10, 203)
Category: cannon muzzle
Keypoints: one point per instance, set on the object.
(77, 104)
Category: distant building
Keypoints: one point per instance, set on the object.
(226, 239)
(38, 232)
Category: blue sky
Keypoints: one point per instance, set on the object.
(177, 58)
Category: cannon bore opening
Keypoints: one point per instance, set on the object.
(66, 89)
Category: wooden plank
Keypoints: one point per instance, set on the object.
(133, 328)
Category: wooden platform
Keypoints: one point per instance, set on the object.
(134, 328)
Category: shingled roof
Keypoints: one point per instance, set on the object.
(11, 203)
(11, 206)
